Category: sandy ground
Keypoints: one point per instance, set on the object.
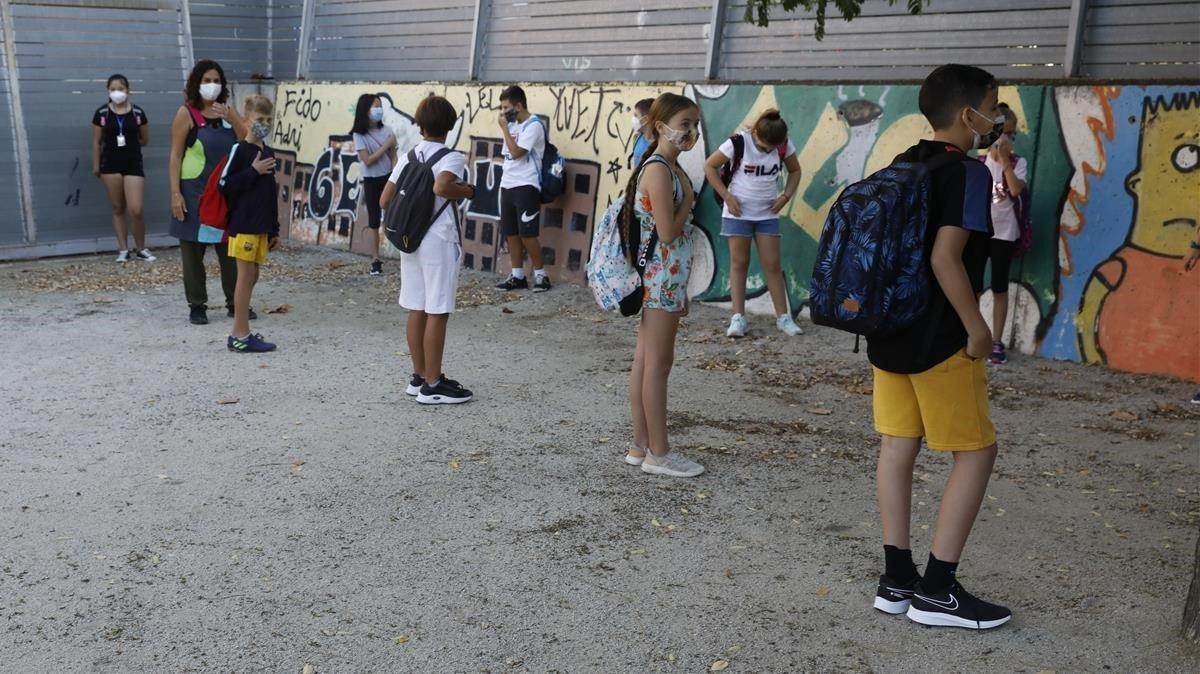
(169, 506)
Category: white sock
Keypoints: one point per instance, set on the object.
(539, 273)
(518, 274)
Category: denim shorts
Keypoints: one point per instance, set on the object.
(739, 227)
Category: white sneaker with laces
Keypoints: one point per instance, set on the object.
(787, 325)
(145, 255)
(737, 326)
(122, 256)
(671, 465)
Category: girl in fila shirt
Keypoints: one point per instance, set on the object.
(752, 206)
(119, 130)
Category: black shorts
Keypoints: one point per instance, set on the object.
(521, 211)
(1001, 254)
(372, 190)
(126, 166)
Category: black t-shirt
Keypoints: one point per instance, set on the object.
(960, 196)
(112, 125)
(253, 198)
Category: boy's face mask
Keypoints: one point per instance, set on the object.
(982, 142)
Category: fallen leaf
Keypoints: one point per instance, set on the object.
(1124, 415)
(308, 669)
(281, 309)
(229, 401)
(104, 300)
(455, 464)
(506, 310)
(823, 591)
(297, 467)
(718, 666)
(729, 574)
(263, 366)
(402, 639)
(820, 410)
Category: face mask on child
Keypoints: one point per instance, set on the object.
(984, 142)
(510, 116)
(636, 121)
(376, 114)
(210, 90)
(684, 140)
(117, 96)
(261, 130)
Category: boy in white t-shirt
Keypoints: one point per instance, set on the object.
(524, 137)
(755, 158)
(429, 275)
(1008, 183)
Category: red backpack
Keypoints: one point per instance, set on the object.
(214, 208)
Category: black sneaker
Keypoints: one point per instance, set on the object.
(894, 598)
(443, 392)
(955, 607)
(1196, 398)
(198, 316)
(541, 285)
(414, 385)
(513, 283)
(376, 268)
(229, 313)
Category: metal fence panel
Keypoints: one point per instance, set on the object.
(12, 230)
(1141, 39)
(234, 33)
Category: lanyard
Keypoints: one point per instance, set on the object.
(120, 123)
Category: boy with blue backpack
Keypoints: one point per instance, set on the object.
(525, 144)
(901, 261)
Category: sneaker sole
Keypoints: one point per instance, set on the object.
(659, 470)
(442, 400)
(248, 350)
(634, 460)
(735, 336)
(892, 607)
(938, 619)
(413, 391)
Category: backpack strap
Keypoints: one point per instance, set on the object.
(431, 162)
(198, 119)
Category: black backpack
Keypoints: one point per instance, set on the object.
(410, 213)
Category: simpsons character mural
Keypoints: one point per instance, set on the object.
(1112, 172)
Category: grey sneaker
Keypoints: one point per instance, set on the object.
(737, 326)
(787, 325)
(671, 465)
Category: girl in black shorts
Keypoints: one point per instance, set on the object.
(119, 130)
(376, 145)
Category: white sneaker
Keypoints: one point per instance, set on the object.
(787, 325)
(737, 326)
(635, 460)
(123, 256)
(145, 255)
(671, 465)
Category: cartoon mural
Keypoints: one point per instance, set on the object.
(1111, 171)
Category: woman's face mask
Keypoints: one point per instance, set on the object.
(210, 90)
(682, 139)
(376, 114)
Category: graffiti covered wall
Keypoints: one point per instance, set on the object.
(1112, 173)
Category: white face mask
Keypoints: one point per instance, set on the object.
(117, 96)
(210, 90)
(637, 123)
(682, 139)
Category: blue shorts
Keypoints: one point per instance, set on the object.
(739, 227)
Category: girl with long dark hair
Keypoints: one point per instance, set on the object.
(376, 145)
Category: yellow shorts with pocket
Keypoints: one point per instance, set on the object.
(249, 247)
(946, 404)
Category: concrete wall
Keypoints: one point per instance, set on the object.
(1112, 171)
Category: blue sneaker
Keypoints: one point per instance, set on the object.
(249, 344)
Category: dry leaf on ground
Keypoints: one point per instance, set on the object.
(820, 410)
(281, 309)
(718, 666)
(229, 401)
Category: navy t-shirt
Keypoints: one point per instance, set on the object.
(253, 198)
(960, 196)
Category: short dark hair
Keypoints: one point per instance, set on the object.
(117, 77)
(435, 116)
(514, 95)
(191, 91)
(643, 106)
(950, 87)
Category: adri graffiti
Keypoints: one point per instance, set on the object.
(1112, 173)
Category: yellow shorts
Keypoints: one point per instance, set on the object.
(249, 247)
(946, 404)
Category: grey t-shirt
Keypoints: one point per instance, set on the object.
(371, 141)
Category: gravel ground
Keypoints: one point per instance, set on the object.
(168, 506)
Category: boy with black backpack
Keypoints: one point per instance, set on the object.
(524, 137)
(426, 185)
(901, 262)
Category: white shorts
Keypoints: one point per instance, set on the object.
(429, 277)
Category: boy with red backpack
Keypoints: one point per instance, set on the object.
(248, 184)
(1010, 221)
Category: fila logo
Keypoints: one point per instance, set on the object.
(759, 170)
